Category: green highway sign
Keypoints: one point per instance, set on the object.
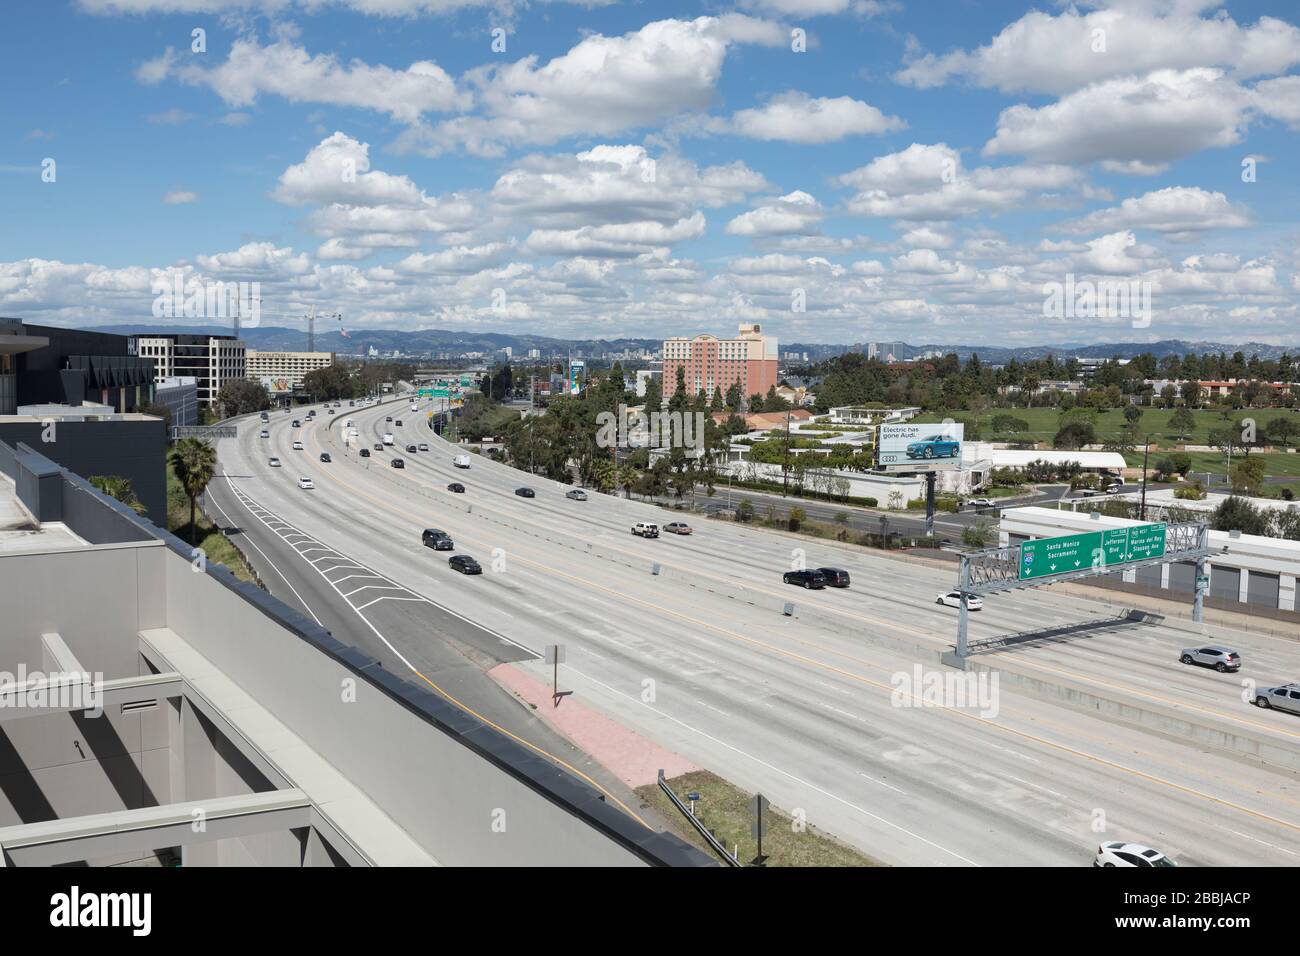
(1045, 557)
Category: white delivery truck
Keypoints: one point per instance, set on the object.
(461, 461)
(388, 438)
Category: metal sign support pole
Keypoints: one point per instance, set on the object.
(929, 504)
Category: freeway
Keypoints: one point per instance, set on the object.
(813, 708)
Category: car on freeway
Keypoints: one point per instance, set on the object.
(678, 527)
(835, 577)
(456, 487)
(813, 580)
(389, 418)
(464, 564)
(980, 502)
(274, 462)
(379, 446)
(265, 417)
(365, 453)
(1286, 697)
(297, 446)
(305, 482)
(525, 493)
(461, 461)
(1222, 659)
(1130, 854)
(410, 449)
(577, 494)
(398, 423)
(936, 446)
(388, 438)
(645, 529)
(437, 539)
(331, 411)
(265, 433)
(424, 446)
(351, 404)
(953, 599)
(325, 457)
(296, 424)
(397, 463)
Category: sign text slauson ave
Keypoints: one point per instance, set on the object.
(1045, 557)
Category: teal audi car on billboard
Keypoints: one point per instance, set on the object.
(935, 446)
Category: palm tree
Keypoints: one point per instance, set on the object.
(603, 474)
(193, 462)
(627, 476)
(120, 488)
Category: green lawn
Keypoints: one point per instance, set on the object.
(1044, 422)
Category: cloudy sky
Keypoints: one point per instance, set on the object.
(838, 170)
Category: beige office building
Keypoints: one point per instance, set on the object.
(285, 371)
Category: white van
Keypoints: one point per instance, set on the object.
(388, 438)
(461, 461)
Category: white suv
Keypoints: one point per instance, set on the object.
(305, 483)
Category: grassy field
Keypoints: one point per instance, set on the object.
(725, 809)
(215, 545)
(1044, 422)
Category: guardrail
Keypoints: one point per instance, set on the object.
(728, 858)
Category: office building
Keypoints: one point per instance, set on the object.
(212, 360)
(709, 363)
(282, 372)
(180, 396)
(45, 365)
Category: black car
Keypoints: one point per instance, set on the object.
(464, 564)
(398, 423)
(457, 487)
(389, 418)
(379, 446)
(325, 457)
(814, 580)
(398, 463)
(525, 493)
(365, 453)
(410, 449)
(835, 577)
(438, 540)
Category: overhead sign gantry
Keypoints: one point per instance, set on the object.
(1070, 557)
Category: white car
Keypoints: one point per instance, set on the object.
(424, 446)
(953, 599)
(305, 482)
(265, 433)
(980, 502)
(1129, 854)
(274, 463)
(297, 446)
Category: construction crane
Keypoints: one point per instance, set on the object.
(310, 318)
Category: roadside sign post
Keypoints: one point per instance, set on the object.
(554, 657)
(759, 804)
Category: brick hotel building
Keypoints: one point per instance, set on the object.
(710, 362)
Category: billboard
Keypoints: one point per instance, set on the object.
(277, 384)
(577, 375)
(916, 446)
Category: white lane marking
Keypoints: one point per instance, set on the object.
(1036, 786)
(379, 587)
(390, 597)
(882, 783)
(1265, 842)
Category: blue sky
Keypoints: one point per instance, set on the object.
(922, 172)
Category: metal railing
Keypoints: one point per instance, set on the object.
(729, 858)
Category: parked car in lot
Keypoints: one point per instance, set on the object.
(1130, 854)
(577, 494)
(297, 446)
(646, 529)
(437, 539)
(265, 434)
(813, 580)
(1286, 697)
(464, 564)
(305, 482)
(274, 463)
(980, 502)
(398, 463)
(365, 453)
(953, 599)
(936, 446)
(424, 446)
(835, 577)
(456, 487)
(525, 493)
(325, 457)
(678, 527)
(1222, 659)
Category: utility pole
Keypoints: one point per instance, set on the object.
(785, 459)
(1142, 511)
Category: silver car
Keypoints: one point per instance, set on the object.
(1286, 697)
(1222, 659)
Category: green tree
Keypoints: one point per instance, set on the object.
(1238, 514)
(1183, 422)
(1248, 475)
(1075, 434)
(1132, 414)
(194, 462)
(120, 488)
(241, 396)
(977, 535)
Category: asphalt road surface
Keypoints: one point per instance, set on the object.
(683, 639)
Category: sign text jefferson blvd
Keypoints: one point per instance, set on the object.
(1045, 557)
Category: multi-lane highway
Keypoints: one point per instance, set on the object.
(684, 640)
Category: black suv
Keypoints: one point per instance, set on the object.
(365, 453)
(410, 449)
(398, 463)
(464, 564)
(835, 577)
(525, 493)
(438, 540)
(807, 579)
(457, 487)
(325, 457)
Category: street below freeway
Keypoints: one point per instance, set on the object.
(818, 710)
